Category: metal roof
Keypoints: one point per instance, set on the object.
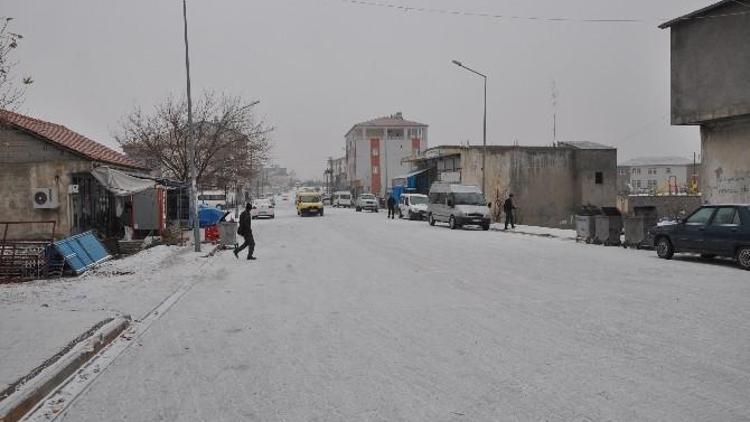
(697, 13)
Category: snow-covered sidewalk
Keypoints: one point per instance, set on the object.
(39, 318)
(564, 234)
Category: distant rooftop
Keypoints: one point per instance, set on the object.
(698, 14)
(656, 161)
(394, 120)
(585, 145)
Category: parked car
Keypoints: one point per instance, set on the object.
(342, 199)
(309, 203)
(366, 201)
(458, 205)
(262, 208)
(711, 230)
(413, 206)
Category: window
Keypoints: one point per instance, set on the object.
(652, 184)
(724, 215)
(415, 133)
(736, 220)
(636, 170)
(668, 170)
(375, 152)
(700, 217)
(637, 184)
(599, 178)
(395, 133)
(652, 171)
(375, 169)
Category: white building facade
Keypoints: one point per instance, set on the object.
(660, 175)
(375, 151)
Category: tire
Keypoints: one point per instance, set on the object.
(431, 220)
(375, 210)
(320, 213)
(743, 257)
(664, 248)
(452, 223)
(400, 214)
(486, 227)
(358, 209)
(410, 215)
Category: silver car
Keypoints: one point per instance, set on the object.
(366, 201)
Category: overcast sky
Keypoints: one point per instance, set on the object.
(319, 66)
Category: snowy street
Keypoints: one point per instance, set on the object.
(353, 317)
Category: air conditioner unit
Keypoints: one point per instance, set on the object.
(45, 198)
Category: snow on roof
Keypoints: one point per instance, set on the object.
(657, 161)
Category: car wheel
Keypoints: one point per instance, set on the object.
(320, 213)
(410, 215)
(664, 248)
(452, 223)
(743, 257)
(375, 210)
(358, 209)
(431, 220)
(486, 227)
(400, 214)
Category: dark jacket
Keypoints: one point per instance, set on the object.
(508, 205)
(245, 223)
(391, 202)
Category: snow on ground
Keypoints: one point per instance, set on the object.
(38, 318)
(351, 317)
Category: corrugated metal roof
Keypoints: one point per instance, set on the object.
(657, 161)
(67, 139)
(696, 13)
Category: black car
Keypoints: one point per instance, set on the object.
(712, 230)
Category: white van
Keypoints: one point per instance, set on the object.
(342, 199)
(458, 205)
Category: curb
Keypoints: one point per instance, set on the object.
(15, 406)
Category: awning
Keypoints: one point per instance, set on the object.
(120, 183)
(412, 174)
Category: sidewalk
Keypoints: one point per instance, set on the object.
(563, 234)
(39, 318)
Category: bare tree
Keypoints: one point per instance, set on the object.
(231, 145)
(11, 93)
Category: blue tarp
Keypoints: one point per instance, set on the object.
(210, 216)
(82, 251)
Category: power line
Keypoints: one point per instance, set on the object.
(456, 12)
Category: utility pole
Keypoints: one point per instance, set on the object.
(190, 141)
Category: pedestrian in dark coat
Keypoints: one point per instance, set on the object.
(246, 231)
(508, 207)
(391, 207)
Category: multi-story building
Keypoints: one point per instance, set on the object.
(711, 88)
(375, 151)
(657, 175)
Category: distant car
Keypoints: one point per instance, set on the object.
(413, 206)
(309, 203)
(712, 230)
(262, 208)
(458, 205)
(366, 201)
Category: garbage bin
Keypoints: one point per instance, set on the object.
(608, 227)
(585, 224)
(228, 234)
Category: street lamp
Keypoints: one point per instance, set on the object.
(190, 141)
(484, 124)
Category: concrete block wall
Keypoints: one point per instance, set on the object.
(725, 167)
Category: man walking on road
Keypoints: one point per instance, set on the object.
(246, 231)
(391, 207)
(508, 207)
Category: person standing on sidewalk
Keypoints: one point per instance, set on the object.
(508, 207)
(391, 207)
(246, 231)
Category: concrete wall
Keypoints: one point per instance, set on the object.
(711, 67)
(725, 169)
(588, 163)
(666, 206)
(27, 163)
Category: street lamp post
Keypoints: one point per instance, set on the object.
(484, 123)
(191, 142)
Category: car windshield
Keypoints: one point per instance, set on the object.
(367, 197)
(310, 198)
(469, 198)
(417, 200)
(344, 196)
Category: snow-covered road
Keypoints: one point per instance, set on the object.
(351, 317)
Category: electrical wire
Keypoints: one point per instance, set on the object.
(456, 12)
